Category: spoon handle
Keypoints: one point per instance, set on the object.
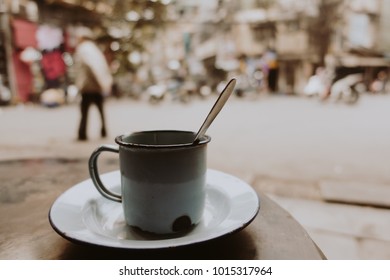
(223, 97)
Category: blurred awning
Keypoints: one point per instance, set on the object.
(24, 33)
(356, 61)
(251, 16)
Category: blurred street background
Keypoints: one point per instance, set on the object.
(308, 123)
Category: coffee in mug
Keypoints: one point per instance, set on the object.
(163, 178)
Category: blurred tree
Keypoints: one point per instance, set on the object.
(125, 26)
(321, 30)
(132, 24)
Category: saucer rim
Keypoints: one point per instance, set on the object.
(243, 224)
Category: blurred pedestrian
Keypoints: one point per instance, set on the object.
(379, 85)
(93, 79)
(318, 84)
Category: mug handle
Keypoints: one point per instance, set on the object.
(93, 172)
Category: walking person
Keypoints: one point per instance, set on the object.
(93, 79)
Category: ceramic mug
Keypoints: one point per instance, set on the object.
(163, 177)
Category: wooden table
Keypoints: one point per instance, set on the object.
(28, 188)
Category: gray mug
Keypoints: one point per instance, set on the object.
(163, 177)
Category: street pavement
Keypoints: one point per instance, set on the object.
(326, 163)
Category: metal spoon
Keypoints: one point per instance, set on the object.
(223, 97)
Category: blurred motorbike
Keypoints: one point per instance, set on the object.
(156, 93)
(5, 94)
(347, 89)
(177, 90)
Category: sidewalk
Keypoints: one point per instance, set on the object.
(337, 210)
(341, 228)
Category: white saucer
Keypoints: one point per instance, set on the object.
(81, 214)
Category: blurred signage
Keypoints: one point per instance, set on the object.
(24, 33)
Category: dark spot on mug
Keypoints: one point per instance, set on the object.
(182, 223)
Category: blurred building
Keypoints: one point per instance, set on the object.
(343, 35)
(289, 39)
(360, 38)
